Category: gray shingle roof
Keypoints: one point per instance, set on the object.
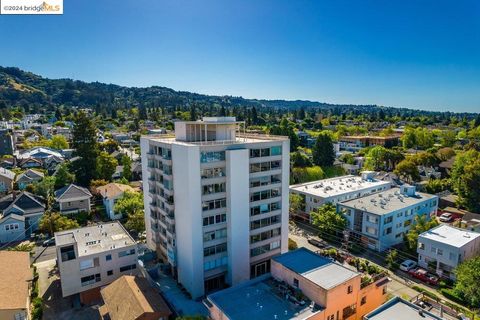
(72, 191)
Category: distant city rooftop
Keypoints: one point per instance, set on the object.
(387, 201)
(449, 235)
(260, 299)
(95, 239)
(316, 268)
(400, 309)
(337, 186)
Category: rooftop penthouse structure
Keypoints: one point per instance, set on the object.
(224, 192)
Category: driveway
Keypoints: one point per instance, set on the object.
(55, 306)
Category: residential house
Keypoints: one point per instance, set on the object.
(6, 180)
(381, 220)
(334, 190)
(132, 298)
(356, 143)
(302, 285)
(28, 177)
(471, 221)
(444, 247)
(16, 282)
(37, 157)
(20, 215)
(110, 194)
(91, 257)
(118, 173)
(73, 199)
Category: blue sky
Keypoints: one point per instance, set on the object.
(422, 54)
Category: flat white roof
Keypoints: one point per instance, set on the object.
(387, 201)
(337, 186)
(95, 239)
(450, 235)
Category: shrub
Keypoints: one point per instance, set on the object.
(292, 245)
(453, 295)
(426, 292)
(37, 308)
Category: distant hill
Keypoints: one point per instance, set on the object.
(22, 88)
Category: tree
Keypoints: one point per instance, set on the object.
(127, 167)
(86, 148)
(299, 159)
(465, 178)
(63, 176)
(467, 281)
(58, 142)
(323, 152)
(297, 203)
(375, 158)
(329, 222)
(391, 259)
(45, 188)
(52, 222)
(131, 205)
(301, 175)
(420, 225)
(110, 146)
(407, 169)
(106, 165)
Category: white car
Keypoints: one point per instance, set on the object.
(446, 217)
(407, 265)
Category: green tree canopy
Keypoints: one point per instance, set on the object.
(58, 142)
(420, 225)
(468, 280)
(131, 206)
(86, 147)
(106, 165)
(323, 152)
(52, 222)
(465, 178)
(127, 167)
(407, 170)
(63, 176)
(329, 222)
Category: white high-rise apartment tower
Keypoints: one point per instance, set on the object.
(216, 201)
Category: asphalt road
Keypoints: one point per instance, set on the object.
(43, 254)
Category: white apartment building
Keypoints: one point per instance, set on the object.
(91, 257)
(444, 247)
(216, 201)
(381, 220)
(338, 189)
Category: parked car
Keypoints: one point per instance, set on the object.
(424, 276)
(446, 217)
(49, 242)
(407, 265)
(316, 243)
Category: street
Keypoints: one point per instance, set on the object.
(41, 254)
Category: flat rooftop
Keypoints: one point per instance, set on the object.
(337, 186)
(316, 268)
(259, 299)
(449, 235)
(387, 201)
(240, 139)
(400, 309)
(95, 239)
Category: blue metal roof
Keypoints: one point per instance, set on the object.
(302, 260)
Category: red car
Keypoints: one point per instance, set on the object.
(424, 275)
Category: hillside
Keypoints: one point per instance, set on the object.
(22, 88)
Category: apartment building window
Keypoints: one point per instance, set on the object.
(440, 252)
(109, 272)
(215, 235)
(90, 263)
(210, 251)
(349, 311)
(265, 194)
(212, 173)
(219, 218)
(85, 281)
(264, 208)
(264, 166)
(213, 188)
(388, 230)
(264, 249)
(371, 231)
(363, 301)
(331, 317)
(212, 156)
(108, 257)
(214, 204)
(264, 222)
(11, 226)
(433, 249)
(407, 223)
(67, 253)
(265, 235)
(388, 220)
(126, 253)
(209, 265)
(264, 181)
(295, 283)
(452, 256)
(350, 289)
(276, 150)
(421, 246)
(129, 267)
(372, 218)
